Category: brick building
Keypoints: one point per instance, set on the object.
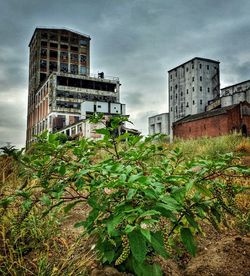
(215, 122)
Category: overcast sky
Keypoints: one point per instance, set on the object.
(135, 40)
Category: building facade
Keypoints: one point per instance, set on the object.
(221, 121)
(158, 124)
(191, 86)
(60, 80)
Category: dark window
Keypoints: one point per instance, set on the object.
(53, 36)
(64, 39)
(192, 78)
(181, 93)
(64, 56)
(193, 102)
(73, 48)
(64, 47)
(193, 88)
(170, 88)
(176, 86)
(171, 97)
(74, 39)
(207, 67)
(208, 89)
(42, 77)
(192, 65)
(44, 43)
(171, 77)
(43, 53)
(200, 88)
(187, 91)
(64, 67)
(187, 104)
(187, 69)
(74, 57)
(171, 109)
(53, 66)
(43, 65)
(73, 69)
(176, 96)
(176, 73)
(200, 101)
(200, 78)
(44, 35)
(200, 65)
(53, 45)
(53, 54)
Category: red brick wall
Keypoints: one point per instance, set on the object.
(212, 126)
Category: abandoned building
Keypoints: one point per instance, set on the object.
(159, 124)
(60, 80)
(191, 86)
(216, 122)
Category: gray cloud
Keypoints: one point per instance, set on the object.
(137, 40)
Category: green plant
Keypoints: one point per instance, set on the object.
(145, 200)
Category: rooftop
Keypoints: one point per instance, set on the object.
(200, 58)
(239, 83)
(57, 29)
(207, 114)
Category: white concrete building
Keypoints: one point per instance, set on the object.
(191, 86)
(159, 124)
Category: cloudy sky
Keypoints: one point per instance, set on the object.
(136, 40)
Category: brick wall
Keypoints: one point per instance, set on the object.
(220, 124)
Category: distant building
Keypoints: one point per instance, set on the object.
(221, 121)
(191, 86)
(159, 124)
(60, 80)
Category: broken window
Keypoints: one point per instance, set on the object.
(64, 38)
(53, 54)
(83, 42)
(53, 36)
(43, 53)
(44, 43)
(83, 58)
(73, 69)
(64, 47)
(73, 48)
(53, 45)
(43, 65)
(64, 56)
(74, 40)
(74, 57)
(64, 67)
(44, 35)
(53, 66)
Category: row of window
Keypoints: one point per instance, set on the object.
(193, 89)
(64, 38)
(53, 66)
(44, 44)
(63, 55)
(187, 105)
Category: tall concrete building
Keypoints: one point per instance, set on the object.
(191, 86)
(60, 80)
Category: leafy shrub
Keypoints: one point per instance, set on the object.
(145, 199)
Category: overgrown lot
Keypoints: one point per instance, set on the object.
(134, 201)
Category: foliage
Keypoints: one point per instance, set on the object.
(145, 199)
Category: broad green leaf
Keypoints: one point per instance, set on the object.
(158, 244)
(146, 234)
(150, 213)
(188, 240)
(133, 178)
(113, 222)
(138, 245)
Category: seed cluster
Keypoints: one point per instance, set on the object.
(125, 251)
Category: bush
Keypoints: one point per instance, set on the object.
(145, 199)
